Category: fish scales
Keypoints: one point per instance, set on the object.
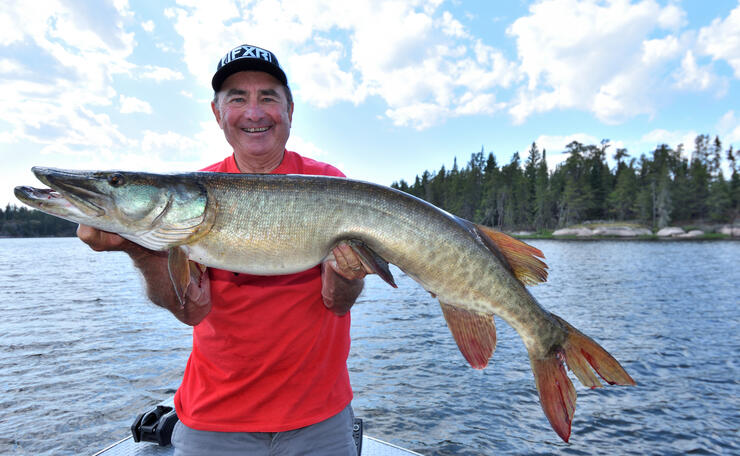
(429, 245)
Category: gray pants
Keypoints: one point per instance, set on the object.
(331, 437)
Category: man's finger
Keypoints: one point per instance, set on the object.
(348, 263)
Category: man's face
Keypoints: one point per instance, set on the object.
(252, 110)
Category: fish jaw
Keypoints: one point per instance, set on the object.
(50, 202)
(77, 187)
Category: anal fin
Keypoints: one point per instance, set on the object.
(474, 332)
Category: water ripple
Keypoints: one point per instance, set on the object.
(83, 352)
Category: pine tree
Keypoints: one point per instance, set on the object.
(621, 200)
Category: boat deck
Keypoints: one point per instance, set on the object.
(127, 447)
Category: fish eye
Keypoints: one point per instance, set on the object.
(116, 179)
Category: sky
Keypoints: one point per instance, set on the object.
(383, 89)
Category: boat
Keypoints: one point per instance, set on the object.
(151, 430)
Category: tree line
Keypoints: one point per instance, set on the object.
(662, 188)
(23, 222)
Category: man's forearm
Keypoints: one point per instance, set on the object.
(339, 293)
(159, 288)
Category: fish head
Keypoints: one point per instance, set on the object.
(132, 204)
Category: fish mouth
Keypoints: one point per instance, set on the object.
(49, 201)
(39, 196)
(79, 188)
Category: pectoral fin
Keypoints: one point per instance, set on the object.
(183, 273)
(475, 333)
(373, 260)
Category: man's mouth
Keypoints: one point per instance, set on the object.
(255, 130)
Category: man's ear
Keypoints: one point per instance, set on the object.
(290, 112)
(216, 112)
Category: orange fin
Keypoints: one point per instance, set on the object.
(179, 271)
(521, 257)
(557, 394)
(189, 279)
(580, 353)
(475, 333)
(583, 353)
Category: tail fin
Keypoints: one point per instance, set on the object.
(557, 394)
(579, 349)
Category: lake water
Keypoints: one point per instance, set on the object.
(82, 352)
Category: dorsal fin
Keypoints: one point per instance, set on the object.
(522, 257)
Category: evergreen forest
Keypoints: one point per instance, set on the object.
(23, 222)
(667, 186)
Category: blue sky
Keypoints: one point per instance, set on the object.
(383, 89)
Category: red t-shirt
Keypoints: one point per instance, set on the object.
(269, 357)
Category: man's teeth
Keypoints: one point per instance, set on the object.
(256, 130)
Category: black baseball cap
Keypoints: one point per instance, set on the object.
(247, 58)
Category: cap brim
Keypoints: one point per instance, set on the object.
(246, 64)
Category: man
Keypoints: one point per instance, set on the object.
(267, 374)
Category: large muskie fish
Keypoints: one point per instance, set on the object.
(279, 224)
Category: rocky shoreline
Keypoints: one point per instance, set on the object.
(632, 232)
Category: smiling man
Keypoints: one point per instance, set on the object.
(268, 370)
(253, 110)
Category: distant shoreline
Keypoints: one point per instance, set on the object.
(656, 238)
(549, 237)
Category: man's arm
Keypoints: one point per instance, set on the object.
(342, 279)
(153, 267)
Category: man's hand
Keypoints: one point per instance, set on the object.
(341, 279)
(153, 267)
(101, 241)
(347, 263)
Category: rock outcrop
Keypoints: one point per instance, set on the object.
(609, 231)
(733, 231)
(670, 231)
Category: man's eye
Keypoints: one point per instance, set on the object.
(237, 100)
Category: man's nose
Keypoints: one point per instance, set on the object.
(254, 112)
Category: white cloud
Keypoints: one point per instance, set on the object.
(721, 40)
(452, 26)
(165, 47)
(159, 74)
(131, 105)
(673, 138)
(601, 57)
(693, 76)
(660, 49)
(671, 17)
(9, 31)
(728, 128)
(148, 25)
(420, 60)
(322, 81)
(9, 66)
(55, 100)
(306, 148)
